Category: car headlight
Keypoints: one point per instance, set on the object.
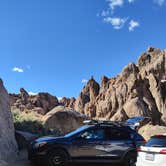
(39, 144)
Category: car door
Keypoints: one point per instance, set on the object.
(117, 143)
(89, 144)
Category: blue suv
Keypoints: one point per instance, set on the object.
(97, 141)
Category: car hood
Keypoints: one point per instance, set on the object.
(49, 138)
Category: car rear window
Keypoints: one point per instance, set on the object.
(156, 142)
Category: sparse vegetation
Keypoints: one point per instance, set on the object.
(30, 121)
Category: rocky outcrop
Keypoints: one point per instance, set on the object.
(63, 119)
(86, 100)
(8, 146)
(68, 102)
(41, 103)
(140, 89)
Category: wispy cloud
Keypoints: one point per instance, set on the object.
(133, 24)
(115, 3)
(116, 22)
(160, 2)
(32, 93)
(105, 13)
(131, 1)
(17, 69)
(84, 81)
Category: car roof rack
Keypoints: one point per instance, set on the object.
(104, 122)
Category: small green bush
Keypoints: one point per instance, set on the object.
(31, 122)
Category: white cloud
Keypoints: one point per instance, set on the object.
(131, 1)
(160, 2)
(133, 24)
(32, 93)
(115, 3)
(104, 13)
(17, 69)
(84, 81)
(116, 22)
(59, 98)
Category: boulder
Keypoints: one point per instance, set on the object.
(135, 107)
(45, 101)
(149, 130)
(8, 145)
(63, 119)
(3, 163)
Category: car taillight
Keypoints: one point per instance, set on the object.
(144, 141)
(163, 151)
(139, 150)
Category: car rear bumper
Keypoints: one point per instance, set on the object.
(160, 160)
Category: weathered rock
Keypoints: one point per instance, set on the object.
(45, 101)
(3, 163)
(68, 102)
(88, 94)
(63, 119)
(138, 90)
(8, 146)
(24, 96)
(135, 107)
(41, 103)
(149, 130)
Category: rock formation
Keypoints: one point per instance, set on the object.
(140, 89)
(8, 146)
(41, 103)
(63, 119)
(68, 102)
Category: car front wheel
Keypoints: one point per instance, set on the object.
(58, 158)
(130, 160)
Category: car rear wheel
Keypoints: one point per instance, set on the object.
(130, 160)
(58, 158)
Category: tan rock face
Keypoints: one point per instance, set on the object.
(63, 119)
(8, 146)
(68, 102)
(88, 96)
(140, 89)
(149, 130)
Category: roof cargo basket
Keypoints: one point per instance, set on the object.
(103, 122)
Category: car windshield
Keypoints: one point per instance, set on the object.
(156, 142)
(76, 131)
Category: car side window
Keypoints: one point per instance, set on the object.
(117, 134)
(96, 134)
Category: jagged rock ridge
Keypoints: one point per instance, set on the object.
(140, 89)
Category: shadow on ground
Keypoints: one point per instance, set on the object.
(23, 161)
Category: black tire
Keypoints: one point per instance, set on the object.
(57, 158)
(130, 159)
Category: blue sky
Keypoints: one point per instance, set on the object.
(56, 45)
